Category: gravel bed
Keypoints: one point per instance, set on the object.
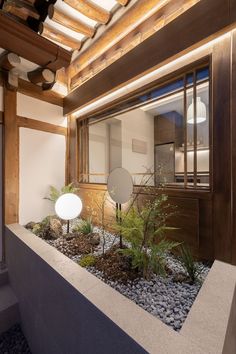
(164, 298)
(14, 342)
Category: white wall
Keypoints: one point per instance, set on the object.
(42, 158)
(40, 110)
(42, 163)
(202, 161)
(137, 124)
(98, 151)
(111, 141)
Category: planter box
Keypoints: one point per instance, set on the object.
(66, 310)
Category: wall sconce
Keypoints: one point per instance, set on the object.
(201, 112)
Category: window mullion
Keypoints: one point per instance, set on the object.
(195, 131)
(185, 133)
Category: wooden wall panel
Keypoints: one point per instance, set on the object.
(186, 219)
(233, 130)
(206, 241)
(222, 149)
(11, 158)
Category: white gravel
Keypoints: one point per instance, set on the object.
(162, 297)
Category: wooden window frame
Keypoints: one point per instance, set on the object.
(82, 125)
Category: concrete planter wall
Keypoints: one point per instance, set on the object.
(66, 310)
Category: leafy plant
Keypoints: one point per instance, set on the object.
(84, 226)
(188, 262)
(36, 229)
(144, 229)
(55, 193)
(87, 261)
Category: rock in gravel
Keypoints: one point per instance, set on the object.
(56, 227)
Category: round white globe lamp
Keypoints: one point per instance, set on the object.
(68, 207)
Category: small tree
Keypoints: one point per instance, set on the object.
(98, 203)
(144, 229)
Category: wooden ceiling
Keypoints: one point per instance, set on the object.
(96, 33)
(68, 23)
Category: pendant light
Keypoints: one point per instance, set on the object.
(201, 112)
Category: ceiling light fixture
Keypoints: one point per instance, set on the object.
(201, 112)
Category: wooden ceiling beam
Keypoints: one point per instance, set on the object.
(91, 10)
(140, 33)
(123, 2)
(150, 52)
(115, 33)
(8, 61)
(18, 9)
(51, 33)
(29, 89)
(75, 25)
(16, 38)
(41, 75)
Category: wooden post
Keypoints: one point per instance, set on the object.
(233, 144)
(222, 188)
(11, 158)
(72, 146)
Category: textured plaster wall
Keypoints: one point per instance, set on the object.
(42, 163)
(43, 111)
(42, 158)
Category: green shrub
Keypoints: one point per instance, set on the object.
(87, 261)
(36, 229)
(85, 227)
(188, 262)
(55, 193)
(144, 229)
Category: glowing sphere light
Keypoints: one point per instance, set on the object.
(68, 206)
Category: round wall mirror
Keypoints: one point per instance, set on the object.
(120, 185)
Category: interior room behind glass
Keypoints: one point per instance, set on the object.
(165, 133)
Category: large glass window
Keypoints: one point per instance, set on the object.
(163, 134)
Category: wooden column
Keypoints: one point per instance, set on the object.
(72, 147)
(221, 149)
(233, 139)
(11, 158)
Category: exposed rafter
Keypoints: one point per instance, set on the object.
(116, 32)
(41, 75)
(29, 45)
(57, 36)
(21, 10)
(75, 25)
(123, 2)
(89, 9)
(8, 61)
